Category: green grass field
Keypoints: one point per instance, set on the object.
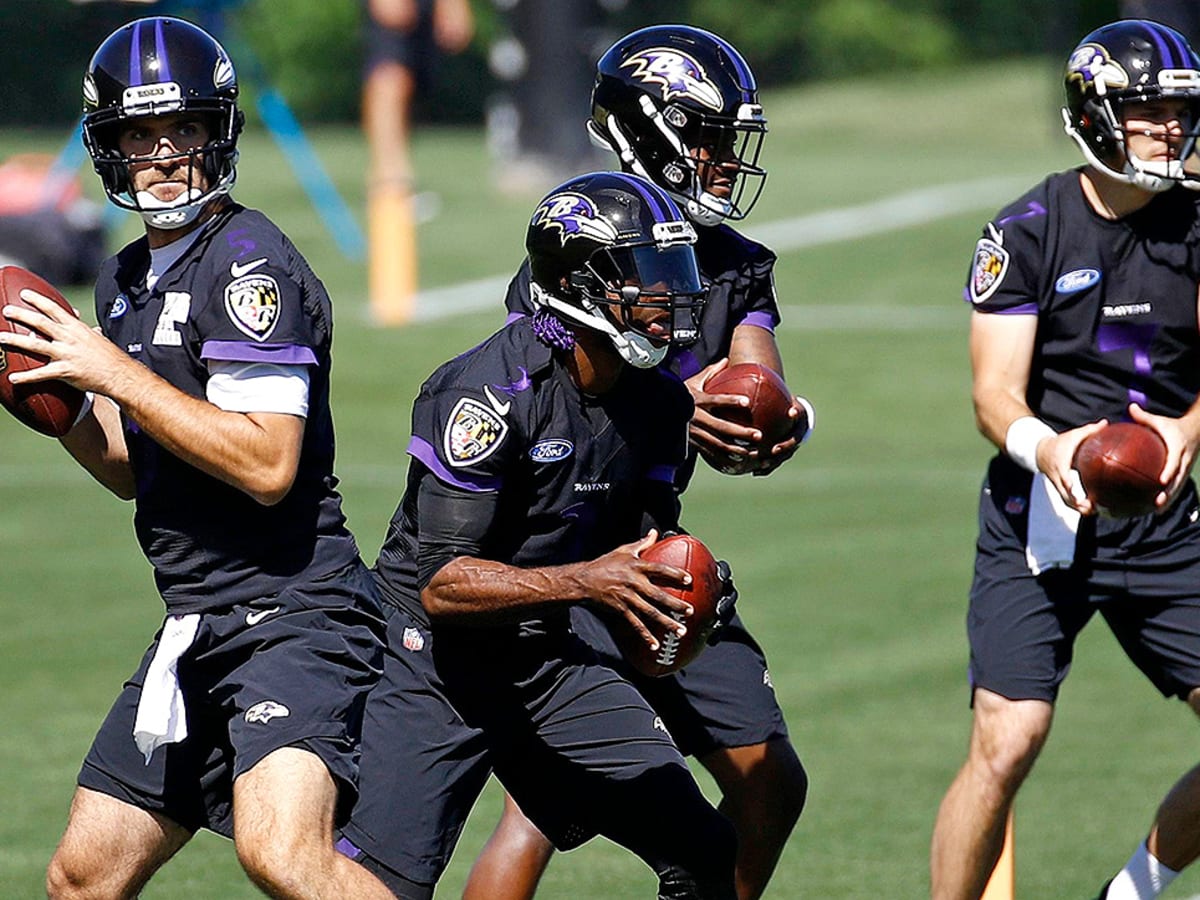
(853, 561)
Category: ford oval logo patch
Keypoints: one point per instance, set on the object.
(551, 450)
(1076, 281)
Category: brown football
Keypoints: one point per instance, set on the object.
(684, 552)
(49, 407)
(1119, 467)
(770, 401)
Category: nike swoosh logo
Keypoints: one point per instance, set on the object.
(238, 271)
(255, 617)
(500, 408)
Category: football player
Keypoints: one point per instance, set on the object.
(210, 410)
(1083, 296)
(542, 464)
(679, 106)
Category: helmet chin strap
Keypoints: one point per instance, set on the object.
(636, 349)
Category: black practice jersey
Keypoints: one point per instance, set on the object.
(512, 462)
(1116, 301)
(740, 281)
(240, 293)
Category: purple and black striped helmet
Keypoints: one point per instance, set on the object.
(679, 106)
(1131, 61)
(603, 245)
(160, 66)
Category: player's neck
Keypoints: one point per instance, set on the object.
(158, 237)
(594, 363)
(1110, 198)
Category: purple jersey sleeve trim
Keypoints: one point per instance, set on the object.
(238, 351)
(513, 317)
(761, 320)
(661, 473)
(1024, 309)
(421, 449)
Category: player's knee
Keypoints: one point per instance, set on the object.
(705, 865)
(1193, 700)
(60, 881)
(788, 781)
(707, 874)
(266, 863)
(65, 879)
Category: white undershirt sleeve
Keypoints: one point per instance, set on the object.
(258, 387)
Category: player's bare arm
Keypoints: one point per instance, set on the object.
(1001, 355)
(257, 453)
(485, 591)
(97, 442)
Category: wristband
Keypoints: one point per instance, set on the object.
(1022, 439)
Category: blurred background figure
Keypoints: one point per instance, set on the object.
(46, 224)
(544, 62)
(403, 41)
(1182, 15)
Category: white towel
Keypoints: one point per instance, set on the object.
(1052, 528)
(161, 717)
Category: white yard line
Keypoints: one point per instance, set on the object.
(919, 207)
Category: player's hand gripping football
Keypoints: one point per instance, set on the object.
(77, 354)
(1055, 457)
(1182, 437)
(624, 583)
(731, 447)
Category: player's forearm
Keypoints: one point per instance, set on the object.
(995, 410)
(469, 590)
(230, 446)
(752, 344)
(97, 442)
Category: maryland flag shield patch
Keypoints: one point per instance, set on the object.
(253, 305)
(473, 432)
(991, 262)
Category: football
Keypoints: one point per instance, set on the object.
(49, 407)
(674, 652)
(770, 401)
(1119, 467)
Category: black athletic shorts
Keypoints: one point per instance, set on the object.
(574, 743)
(289, 670)
(724, 698)
(1142, 575)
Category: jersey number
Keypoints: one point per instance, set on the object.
(1138, 338)
(176, 307)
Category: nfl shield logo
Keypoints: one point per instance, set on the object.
(413, 640)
